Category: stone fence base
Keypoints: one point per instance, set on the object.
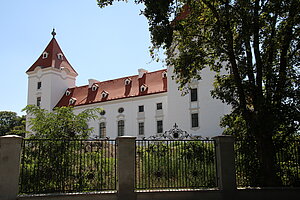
(244, 194)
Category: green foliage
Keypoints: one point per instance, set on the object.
(61, 123)
(287, 162)
(256, 42)
(182, 164)
(51, 166)
(55, 160)
(11, 124)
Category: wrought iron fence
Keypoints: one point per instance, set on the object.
(63, 166)
(163, 164)
(287, 160)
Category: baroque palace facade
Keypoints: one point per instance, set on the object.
(141, 105)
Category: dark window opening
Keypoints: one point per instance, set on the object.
(195, 121)
(141, 128)
(102, 130)
(121, 110)
(159, 126)
(102, 112)
(121, 127)
(141, 108)
(194, 94)
(158, 106)
(38, 101)
(39, 85)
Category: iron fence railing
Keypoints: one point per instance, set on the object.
(287, 161)
(163, 164)
(63, 166)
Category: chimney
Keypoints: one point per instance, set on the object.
(142, 72)
(92, 81)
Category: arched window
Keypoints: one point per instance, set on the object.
(121, 127)
(102, 130)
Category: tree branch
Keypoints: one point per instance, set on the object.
(256, 48)
(286, 41)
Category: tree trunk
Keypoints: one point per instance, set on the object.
(267, 157)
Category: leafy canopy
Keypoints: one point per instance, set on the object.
(11, 123)
(256, 43)
(61, 123)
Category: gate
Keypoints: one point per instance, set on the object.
(175, 160)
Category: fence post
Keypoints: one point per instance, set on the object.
(226, 165)
(10, 150)
(126, 167)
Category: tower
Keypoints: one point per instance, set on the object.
(49, 77)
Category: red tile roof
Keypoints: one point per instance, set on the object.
(52, 59)
(117, 89)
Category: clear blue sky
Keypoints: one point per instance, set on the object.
(99, 43)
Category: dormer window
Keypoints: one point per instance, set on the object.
(60, 56)
(127, 81)
(45, 55)
(72, 101)
(104, 94)
(164, 74)
(68, 93)
(95, 87)
(143, 88)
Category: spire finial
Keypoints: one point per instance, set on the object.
(53, 33)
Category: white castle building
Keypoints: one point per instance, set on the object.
(141, 105)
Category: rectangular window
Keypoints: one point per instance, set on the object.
(121, 127)
(141, 128)
(141, 108)
(102, 130)
(38, 101)
(159, 126)
(39, 85)
(194, 94)
(158, 106)
(195, 121)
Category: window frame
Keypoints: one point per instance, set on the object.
(195, 120)
(39, 85)
(159, 126)
(121, 127)
(141, 128)
(159, 106)
(194, 94)
(141, 108)
(45, 55)
(102, 130)
(38, 101)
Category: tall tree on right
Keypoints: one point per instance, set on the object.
(256, 41)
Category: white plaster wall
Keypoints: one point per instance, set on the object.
(176, 108)
(130, 115)
(54, 84)
(210, 110)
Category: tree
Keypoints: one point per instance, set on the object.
(11, 123)
(56, 147)
(61, 123)
(256, 41)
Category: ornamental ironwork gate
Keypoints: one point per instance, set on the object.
(175, 160)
